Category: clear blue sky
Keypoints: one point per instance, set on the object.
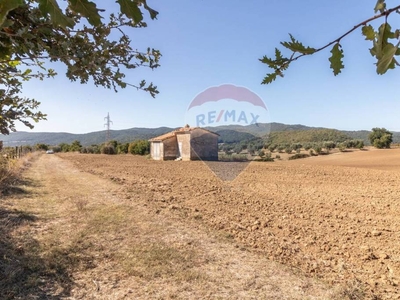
(207, 43)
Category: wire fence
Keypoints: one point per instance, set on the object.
(14, 152)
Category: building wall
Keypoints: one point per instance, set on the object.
(170, 149)
(184, 139)
(154, 148)
(204, 145)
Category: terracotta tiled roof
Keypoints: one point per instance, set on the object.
(177, 131)
(163, 137)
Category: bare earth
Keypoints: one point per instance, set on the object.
(334, 219)
(141, 232)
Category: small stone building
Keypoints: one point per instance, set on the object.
(186, 143)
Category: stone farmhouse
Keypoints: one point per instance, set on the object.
(186, 143)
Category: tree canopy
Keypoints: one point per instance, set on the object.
(93, 48)
(381, 138)
(385, 42)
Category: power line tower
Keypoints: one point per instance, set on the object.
(108, 123)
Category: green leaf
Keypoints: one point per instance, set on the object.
(368, 32)
(14, 63)
(153, 13)
(336, 59)
(380, 6)
(384, 34)
(386, 61)
(87, 9)
(278, 54)
(131, 10)
(296, 46)
(5, 7)
(269, 61)
(50, 7)
(269, 78)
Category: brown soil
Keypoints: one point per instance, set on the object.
(332, 217)
(147, 231)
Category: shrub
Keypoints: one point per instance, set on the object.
(227, 148)
(238, 148)
(56, 149)
(342, 147)
(351, 144)
(277, 156)
(380, 138)
(43, 147)
(307, 146)
(318, 150)
(114, 143)
(272, 147)
(360, 144)
(123, 148)
(288, 150)
(139, 147)
(64, 147)
(264, 159)
(232, 157)
(107, 149)
(329, 146)
(251, 149)
(75, 146)
(298, 156)
(296, 146)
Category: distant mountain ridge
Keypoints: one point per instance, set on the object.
(231, 133)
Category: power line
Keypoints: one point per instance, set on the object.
(108, 122)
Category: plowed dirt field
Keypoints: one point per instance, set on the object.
(334, 217)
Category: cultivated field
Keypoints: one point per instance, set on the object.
(334, 219)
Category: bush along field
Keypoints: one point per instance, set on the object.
(138, 147)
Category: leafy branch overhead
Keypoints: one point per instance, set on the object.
(385, 46)
(92, 44)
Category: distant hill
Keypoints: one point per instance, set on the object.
(87, 139)
(228, 134)
(307, 136)
(232, 136)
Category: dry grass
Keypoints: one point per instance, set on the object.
(11, 169)
(352, 290)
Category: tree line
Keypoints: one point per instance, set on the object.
(380, 138)
(137, 147)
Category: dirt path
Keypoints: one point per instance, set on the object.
(83, 237)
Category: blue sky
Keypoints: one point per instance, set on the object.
(207, 43)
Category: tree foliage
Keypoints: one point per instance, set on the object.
(380, 138)
(92, 47)
(139, 147)
(385, 46)
(75, 146)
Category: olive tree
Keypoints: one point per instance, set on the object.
(380, 138)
